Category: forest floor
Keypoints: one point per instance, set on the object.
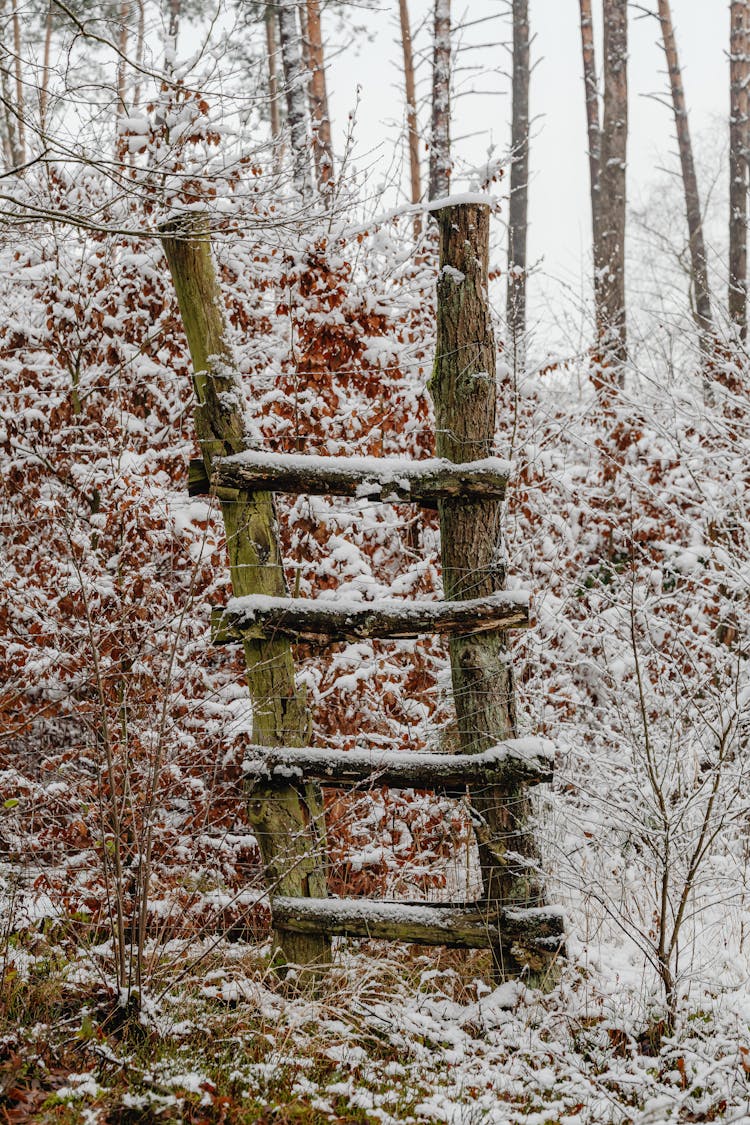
(416, 1037)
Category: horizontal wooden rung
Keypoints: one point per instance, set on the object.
(513, 762)
(258, 617)
(387, 479)
(465, 926)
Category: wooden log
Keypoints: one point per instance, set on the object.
(464, 390)
(288, 822)
(323, 621)
(390, 480)
(528, 760)
(460, 925)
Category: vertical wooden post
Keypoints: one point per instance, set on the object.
(464, 391)
(288, 825)
(518, 202)
(739, 69)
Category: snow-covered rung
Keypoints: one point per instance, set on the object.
(259, 617)
(389, 479)
(517, 760)
(467, 926)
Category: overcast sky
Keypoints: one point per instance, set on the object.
(559, 207)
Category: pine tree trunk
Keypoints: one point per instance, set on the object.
(319, 111)
(288, 824)
(273, 84)
(411, 108)
(739, 73)
(12, 151)
(592, 117)
(295, 83)
(440, 141)
(610, 274)
(463, 387)
(20, 100)
(44, 83)
(519, 189)
(122, 45)
(698, 262)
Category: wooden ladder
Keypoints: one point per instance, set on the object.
(495, 767)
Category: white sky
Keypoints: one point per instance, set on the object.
(559, 207)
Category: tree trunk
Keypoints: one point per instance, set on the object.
(20, 100)
(288, 823)
(273, 85)
(122, 45)
(463, 387)
(698, 263)
(739, 73)
(610, 269)
(140, 45)
(592, 115)
(440, 141)
(518, 206)
(44, 82)
(12, 151)
(295, 82)
(411, 109)
(319, 112)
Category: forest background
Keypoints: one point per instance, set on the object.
(134, 914)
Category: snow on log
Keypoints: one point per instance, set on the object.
(258, 617)
(387, 479)
(475, 925)
(520, 760)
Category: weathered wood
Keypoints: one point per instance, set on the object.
(512, 762)
(739, 72)
(463, 387)
(198, 482)
(518, 199)
(288, 823)
(322, 621)
(539, 933)
(367, 478)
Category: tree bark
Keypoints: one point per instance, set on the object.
(698, 262)
(319, 111)
(44, 83)
(463, 387)
(122, 45)
(518, 206)
(12, 151)
(273, 85)
(610, 263)
(411, 109)
(20, 100)
(440, 140)
(739, 74)
(288, 824)
(295, 83)
(593, 125)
